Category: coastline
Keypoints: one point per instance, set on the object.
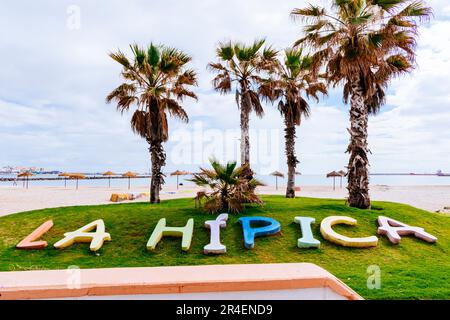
(16, 199)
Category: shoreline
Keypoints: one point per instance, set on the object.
(17, 199)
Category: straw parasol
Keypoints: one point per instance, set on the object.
(65, 175)
(343, 174)
(334, 174)
(26, 175)
(129, 175)
(277, 174)
(77, 176)
(109, 174)
(179, 173)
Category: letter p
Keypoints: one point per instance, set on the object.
(266, 227)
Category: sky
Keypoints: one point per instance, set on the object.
(56, 74)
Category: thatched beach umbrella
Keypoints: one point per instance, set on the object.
(77, 176)
(334, 174)
(343, 174)
(277, 174)
(179, 173)
(109, 174)
(129, 175)
(26, 175)
(65, 175)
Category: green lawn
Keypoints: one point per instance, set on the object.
(412, 270)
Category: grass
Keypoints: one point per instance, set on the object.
(412, 270)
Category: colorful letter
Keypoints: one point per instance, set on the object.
(332, 236)
(395, 229)
(214, 225)
(268, 226)
(307, 240)
(30, 243)
(161, 230)
(83, 234)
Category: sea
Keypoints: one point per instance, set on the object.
(301, 180)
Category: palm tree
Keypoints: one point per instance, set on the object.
(290, 81)
(156, 80)
(230, 188)
(239, 68)
(363, 44)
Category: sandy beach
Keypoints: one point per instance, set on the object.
(17, 199)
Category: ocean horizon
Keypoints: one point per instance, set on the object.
(301, 180)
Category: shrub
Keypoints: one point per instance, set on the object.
(229, 189)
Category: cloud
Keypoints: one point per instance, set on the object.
(53, 86)
(415, 133)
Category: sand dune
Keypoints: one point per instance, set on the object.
(17, 199)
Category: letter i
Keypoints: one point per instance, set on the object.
(214, 225)
(307, 240)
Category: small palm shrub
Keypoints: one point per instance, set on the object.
(229, 189)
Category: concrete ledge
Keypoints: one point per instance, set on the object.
(169, 280)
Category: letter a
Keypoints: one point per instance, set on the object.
(84, 235)
(268, 226)
(214, 225)
(30, 243)
(332, 236)
(162, 230)
(395, 229)
(307, 240)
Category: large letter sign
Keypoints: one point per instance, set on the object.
(395, 229)
(268, 226)
(30, 242)
(307, 240)
(162, 230)
(84, 235)
(214, 225)
(332, 236)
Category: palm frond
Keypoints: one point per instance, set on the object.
(121, 58)
(139, 54)
(222, 83)
(153, 55)
(140, 123)
(387, 5)
(309, 12)
(225, 51)
(175, 110)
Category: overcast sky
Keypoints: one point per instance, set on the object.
(56, 73)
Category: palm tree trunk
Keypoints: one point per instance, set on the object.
(291, 158)
(224, 199)
(244, 103)
(358, 165)
(245, 137)
(158, 158)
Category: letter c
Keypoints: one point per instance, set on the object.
(329, 234)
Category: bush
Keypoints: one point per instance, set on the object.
(229, 188)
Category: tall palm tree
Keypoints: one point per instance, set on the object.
(290, 81)
(156, 80)
(363, 44)
(239, 68)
